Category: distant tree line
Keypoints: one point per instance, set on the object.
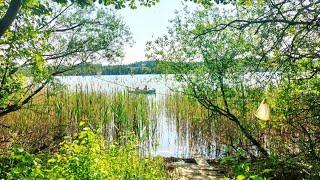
(142, 67)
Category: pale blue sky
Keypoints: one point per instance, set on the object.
(148, 23)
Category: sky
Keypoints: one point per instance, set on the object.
(147, 24)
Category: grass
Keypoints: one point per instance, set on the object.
(55, 114)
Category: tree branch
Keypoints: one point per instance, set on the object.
(11, 14)
(18, 106)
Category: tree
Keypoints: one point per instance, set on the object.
(241, 50)
(47, 36)
(10, 10)
(60, 38)
(217, 82)
(287, 34)
(288, 29)
(14, 7)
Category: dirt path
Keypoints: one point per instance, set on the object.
(199, 170)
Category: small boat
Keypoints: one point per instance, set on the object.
(143, 91)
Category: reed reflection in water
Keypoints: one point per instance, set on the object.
(168, 123)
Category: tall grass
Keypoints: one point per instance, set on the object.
(51, 116)
(54, 114)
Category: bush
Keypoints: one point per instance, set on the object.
(84, 157)
(273, 167)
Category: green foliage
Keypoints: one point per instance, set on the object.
(117, 4)
(50, 38)
(241, 168)
(85, 156)
(273, 167)
(244, 57)
(143, 67)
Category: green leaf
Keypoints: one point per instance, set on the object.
(82, 123)
(241, 177)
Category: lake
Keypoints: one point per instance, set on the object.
(173, 136)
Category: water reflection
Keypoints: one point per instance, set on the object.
(175, 127)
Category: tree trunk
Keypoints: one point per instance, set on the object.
(11, 14)
(249, 136)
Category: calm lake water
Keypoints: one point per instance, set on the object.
(171, 137)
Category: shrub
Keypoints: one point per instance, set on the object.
(84, 157)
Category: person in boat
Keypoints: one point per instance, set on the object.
(145, 88)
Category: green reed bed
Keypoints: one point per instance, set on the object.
(52, 116)
(182, 107)
(204, 126)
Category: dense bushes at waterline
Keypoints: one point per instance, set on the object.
(84, 156)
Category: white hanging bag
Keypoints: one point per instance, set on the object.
(263, 111)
